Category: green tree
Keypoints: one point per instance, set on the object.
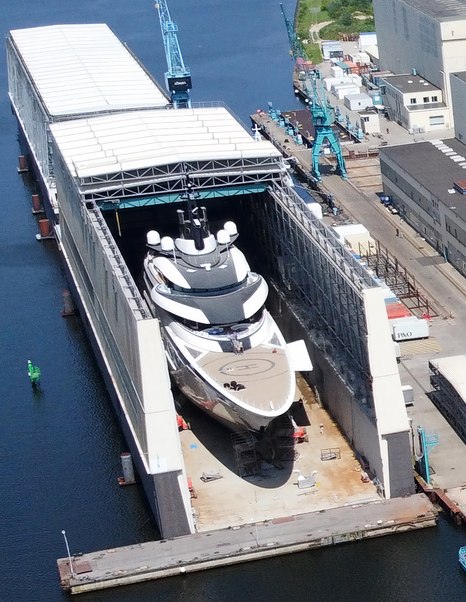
(346, 19)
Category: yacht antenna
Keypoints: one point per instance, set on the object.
(195, 226)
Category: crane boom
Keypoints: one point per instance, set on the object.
(178, 77)
(322, 112)
(296, 48)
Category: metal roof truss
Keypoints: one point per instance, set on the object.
(166, 179)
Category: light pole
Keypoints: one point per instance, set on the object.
(69, 555)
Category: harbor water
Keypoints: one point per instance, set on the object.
(60, 445)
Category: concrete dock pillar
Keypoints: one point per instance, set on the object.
(36, 204)
(45, 230)
(22, 164)
(128, 470)
(68, 306)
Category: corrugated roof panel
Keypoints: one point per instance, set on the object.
(224, 129)
(84, 69)
(150, 138)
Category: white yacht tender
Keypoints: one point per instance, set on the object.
(224, 350)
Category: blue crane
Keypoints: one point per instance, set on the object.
(322, 112)
(296, 48)
(323, 119)
(178, 77)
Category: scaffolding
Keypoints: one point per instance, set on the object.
(244, 447)
(322, 282)
(284, 440)
(398, 279)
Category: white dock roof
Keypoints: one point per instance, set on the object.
(79, 69)
(140, 139)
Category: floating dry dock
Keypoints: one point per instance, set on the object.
(202, 551)
(107, 165)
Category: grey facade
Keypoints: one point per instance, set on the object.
(458, 98)
(421, 180)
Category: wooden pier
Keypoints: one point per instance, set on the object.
(201, 551)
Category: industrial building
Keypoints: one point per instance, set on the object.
(415, 103)
(332, 49)
(425, 35)
(427, 183)
(448, 382)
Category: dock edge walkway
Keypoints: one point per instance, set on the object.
(201, 551)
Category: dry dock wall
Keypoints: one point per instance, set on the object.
(388, 454)
(375, 423)
(29, 111)
(131, 347)
(42, 64)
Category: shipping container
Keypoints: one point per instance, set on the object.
(407, 329)
(345, 89)
(336, 71)
(329, 82)
(357, 102)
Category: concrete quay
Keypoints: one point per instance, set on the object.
(201, 551)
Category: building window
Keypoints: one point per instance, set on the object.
(412, 101)
(425, 100)
(437, 120)
(365, 119)
(434, 99)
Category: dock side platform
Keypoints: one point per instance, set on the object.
(201, 551)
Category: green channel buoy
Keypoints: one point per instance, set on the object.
(33, 373)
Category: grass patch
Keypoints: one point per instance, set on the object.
(313, 53)
(335, 30)
(309, 13)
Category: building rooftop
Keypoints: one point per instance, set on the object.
(443, 10)
(410, 83)
(84, 69)
(453, 368)
(436, 165)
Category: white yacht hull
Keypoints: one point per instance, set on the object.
(224, 350)
(211, 399)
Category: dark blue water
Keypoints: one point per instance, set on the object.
(59, 450)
